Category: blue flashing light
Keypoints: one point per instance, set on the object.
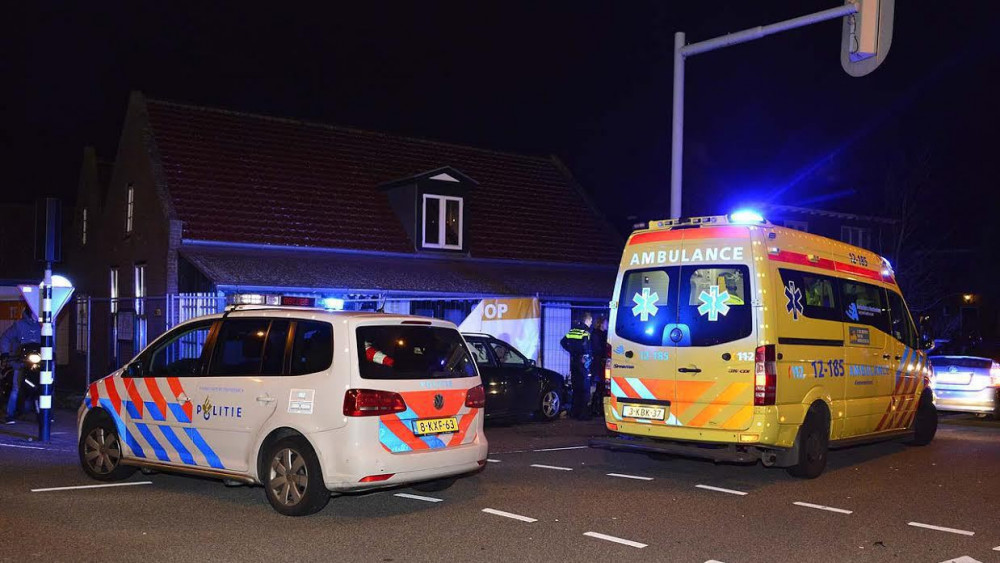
(649, 331)
(333, 304)
(746, 216)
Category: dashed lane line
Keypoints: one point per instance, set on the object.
(418, 497)
(606, 537)
(492, 460)
(510, 515)
(821, 507)
(104, 486)
(963, 559)
(556, 467)
(636, 477)
(720, 490)
(562, 449)
(997, 548)
(941, 528)
(22, 447)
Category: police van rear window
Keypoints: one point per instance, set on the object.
(412, 352)
(685, 305)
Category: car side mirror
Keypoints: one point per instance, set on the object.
(531, 363)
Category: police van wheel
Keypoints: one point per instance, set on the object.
(100, 450)
(813, 445)
(293, 481)
(925, 422)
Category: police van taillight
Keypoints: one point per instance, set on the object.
(369, 402)
(475, 398)
(765, 376)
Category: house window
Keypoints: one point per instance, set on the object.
(114, 290)
(81, 324)
(858, 236)
(129, 208)
(798, 225)
(442, 222)
(140, 305)
(83, 234)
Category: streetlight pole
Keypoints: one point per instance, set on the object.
(681, 51)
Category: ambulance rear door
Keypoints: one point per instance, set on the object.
(715, 335)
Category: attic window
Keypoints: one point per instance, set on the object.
(129, 208)
(442, 222)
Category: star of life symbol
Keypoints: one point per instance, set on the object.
(645, 304)
(713, 303)
(794, 304)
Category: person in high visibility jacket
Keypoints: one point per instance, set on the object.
(577, 343)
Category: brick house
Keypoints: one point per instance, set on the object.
(205, 204)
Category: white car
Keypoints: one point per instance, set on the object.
(302, 401)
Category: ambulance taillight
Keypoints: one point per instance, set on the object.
(607, 371)
(995, 375)
(369, 402)
(765, 376)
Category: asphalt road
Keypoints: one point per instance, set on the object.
(544, 496)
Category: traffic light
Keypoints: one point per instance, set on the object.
(867, 36)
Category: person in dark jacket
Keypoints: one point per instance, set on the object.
(599, 357)
(24, 331)
(577, 343)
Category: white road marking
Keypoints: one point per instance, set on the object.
(23, 447)
(997, 548)
(624, 476)
(941, 528)
(493, 460)
(561, 449)
(540, 466)
(821, 507)
(713, 561)
(92, 486)
(614, 539)
(418, 497)
(511, 515)
(720, 489)
(963, 559)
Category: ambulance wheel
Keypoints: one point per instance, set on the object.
(813, 445)
(436, 485)
(100, 449)
(293, 481)
(925, 422)
(549, 405)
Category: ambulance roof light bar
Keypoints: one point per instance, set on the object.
(741, 217)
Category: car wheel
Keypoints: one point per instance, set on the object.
(925, 422)
(813, 445)
(436, 485)
(293, 481)
(549, 405)
(100, 450)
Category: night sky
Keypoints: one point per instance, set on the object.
(775, 120)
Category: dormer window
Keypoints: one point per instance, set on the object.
(442, 222)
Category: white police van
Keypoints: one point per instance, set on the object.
(302, 401)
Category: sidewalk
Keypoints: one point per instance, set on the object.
(25, 430)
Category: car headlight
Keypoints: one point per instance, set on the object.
(34, 358)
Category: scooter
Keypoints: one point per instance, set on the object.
(30, 358)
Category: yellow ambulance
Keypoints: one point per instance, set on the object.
(737, 340)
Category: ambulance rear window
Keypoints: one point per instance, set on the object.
(685, 306)
(412, 352)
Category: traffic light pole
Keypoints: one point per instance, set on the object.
(47, 375)
(681, 51)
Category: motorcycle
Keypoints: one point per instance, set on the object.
(30, 358)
